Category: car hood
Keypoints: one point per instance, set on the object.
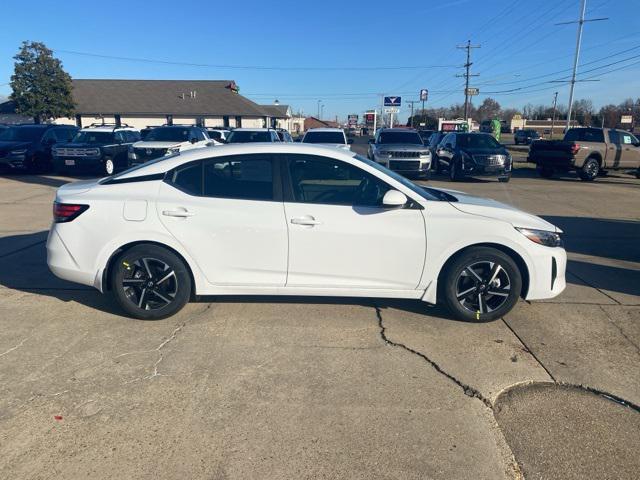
(6, 146)
(487, 207)
(157, 144)
(401, 147)
(77, 145)
(335, 145)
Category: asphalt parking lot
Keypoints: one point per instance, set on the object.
(323, 387)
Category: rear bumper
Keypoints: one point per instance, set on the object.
(62, 264)
(555, 162)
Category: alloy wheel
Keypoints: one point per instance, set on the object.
(149, 283)
(483, 287)
(109, 167)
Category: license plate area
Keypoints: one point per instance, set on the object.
(70, 162)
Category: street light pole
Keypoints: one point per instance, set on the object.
(553, 118)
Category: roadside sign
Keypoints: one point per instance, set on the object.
(353, 119)
(472, 91)
(391, 110)
(424, 95)
(423, 124)
(369, 118)
(626, 119)
(392, 102)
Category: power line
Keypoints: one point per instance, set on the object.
(468, 47)
(252, 67)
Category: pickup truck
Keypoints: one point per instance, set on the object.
(589, 151)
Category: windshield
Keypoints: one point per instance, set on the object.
(425, 192)
(400, 137)
(324, 137)
(168, 134)
(21, 134)
(474, 140)
(248, 136)
(93, 137)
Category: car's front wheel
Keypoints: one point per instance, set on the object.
(109, 166)
(481, 284)
(150, 282)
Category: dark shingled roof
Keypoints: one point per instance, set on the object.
(276, 111)
(145, 97)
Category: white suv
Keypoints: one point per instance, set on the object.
(333, 137)
(253, 135)
(167, 140)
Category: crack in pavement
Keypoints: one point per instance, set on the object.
(593, 286)
(619, 328)
(158, 349)
(15, 347)
(467, 389)
(529, 351)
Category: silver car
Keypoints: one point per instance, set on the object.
(401, 150)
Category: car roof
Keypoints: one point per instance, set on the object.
(106, 129)
(325, 130)
(165, 164)
(398, 130)
(253, 130)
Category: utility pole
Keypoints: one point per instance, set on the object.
(411, 102)
(553, 118)
(466, 75)
(581, 21)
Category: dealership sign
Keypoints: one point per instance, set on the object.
(392, 101)
(626, 119)
(472, 91)
(424, 95)
(353, 119)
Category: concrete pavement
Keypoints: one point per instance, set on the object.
(325, 388)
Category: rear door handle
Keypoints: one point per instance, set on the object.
(306, 220)
(183, 213)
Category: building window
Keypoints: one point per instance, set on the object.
(79, 121)
(200, 122)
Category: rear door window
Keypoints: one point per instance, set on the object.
(248, 177)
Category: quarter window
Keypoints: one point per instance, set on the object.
(322, 180)
(248, 177)
(188, 178)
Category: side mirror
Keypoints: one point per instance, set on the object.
(350, 141)
(394, 199)
(193, 140)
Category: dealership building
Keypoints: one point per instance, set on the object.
(140, 103)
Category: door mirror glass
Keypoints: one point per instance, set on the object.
(394, 199)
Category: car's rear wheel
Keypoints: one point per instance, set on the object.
(150, 282)
(481, 284)
(589, 170)
(545, 171)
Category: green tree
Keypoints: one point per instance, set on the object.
(41, 87)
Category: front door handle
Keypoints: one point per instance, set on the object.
(183, 213)
(306, 220)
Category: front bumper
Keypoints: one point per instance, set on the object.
(476, 170)
(77, 163)
(13, 162)
(547, 275)
(405, 165)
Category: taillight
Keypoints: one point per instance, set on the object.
(65, 212)
(575, 148)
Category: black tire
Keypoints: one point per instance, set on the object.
(589, 170)
(504, 179)
(458, 278)
(426, 175)
(454, 176)
(437, 166)
(545, 171)
(150, 282)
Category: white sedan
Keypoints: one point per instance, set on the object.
(292, 219)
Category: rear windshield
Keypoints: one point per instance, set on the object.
(93, 137)
(21, 134)
(400, 137)
(476, 140)
(323, 137)
(246, 136)
(584, 135)
(168, 134)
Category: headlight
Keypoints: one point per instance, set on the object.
(22, 151)
(542, 237)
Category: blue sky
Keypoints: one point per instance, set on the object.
(341, 52)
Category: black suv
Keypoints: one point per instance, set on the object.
(525, 136)
(28, 146)
(474, 154)
(98, 149)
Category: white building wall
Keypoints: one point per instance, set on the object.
(214, 122)
(251, 122)
(142, 122)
